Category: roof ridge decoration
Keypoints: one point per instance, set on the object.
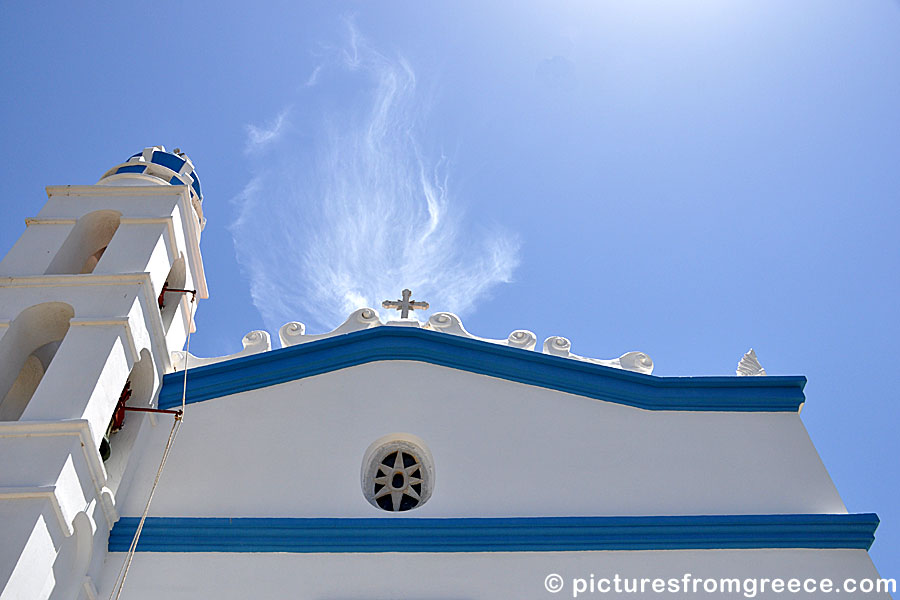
(294, 333)
(415, 343)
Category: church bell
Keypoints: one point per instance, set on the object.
(116, 422)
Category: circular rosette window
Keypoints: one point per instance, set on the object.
(397, 473)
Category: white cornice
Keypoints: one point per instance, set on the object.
(71, 280)
(51, 221)
(114, 190)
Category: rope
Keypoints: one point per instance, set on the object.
(187, 351)
(179, 419)
(123, 571)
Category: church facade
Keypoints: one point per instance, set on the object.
(389, 458)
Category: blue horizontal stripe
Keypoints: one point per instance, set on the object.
(748, 394)
(551, 534)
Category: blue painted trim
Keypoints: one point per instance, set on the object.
(745, 394)
(546, 534)
(131, 169)
(196, 184)
(168, 160)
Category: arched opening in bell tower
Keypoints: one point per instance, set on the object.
(86, 243)
(26, 351)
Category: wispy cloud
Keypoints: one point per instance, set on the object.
(350, 209)
(258, 137)
(313, 78)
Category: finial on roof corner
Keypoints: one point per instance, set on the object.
(749, 366)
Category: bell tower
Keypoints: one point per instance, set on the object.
(94, 296)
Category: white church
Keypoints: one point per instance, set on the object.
(390, 458)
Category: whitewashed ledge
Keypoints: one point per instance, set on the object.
(294, 333)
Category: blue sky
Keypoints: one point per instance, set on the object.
(688, 179)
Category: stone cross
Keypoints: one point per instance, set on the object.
(405, 304)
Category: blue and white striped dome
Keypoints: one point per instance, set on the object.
(173, 168)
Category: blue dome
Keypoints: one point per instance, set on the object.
(173, 167)
(157, 163)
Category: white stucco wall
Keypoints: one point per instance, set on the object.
(459, 576)
(500, 449)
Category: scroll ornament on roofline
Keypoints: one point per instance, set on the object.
(294, 333)
(449, 323)
(254, 342)
(637, 362)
